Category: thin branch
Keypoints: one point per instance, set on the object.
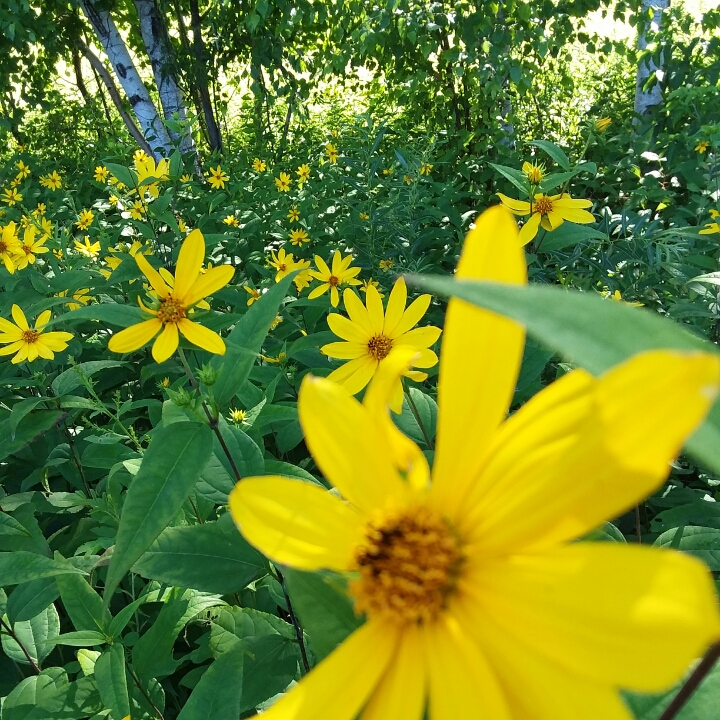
(10, 632)
(692, 683)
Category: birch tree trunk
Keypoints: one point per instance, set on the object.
(157, 45)
(147, 115)
(646, 100)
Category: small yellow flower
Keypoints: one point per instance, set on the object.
(113, 263)
(712, 227)
(11, 196)
(387, 171)
(182, 226)
(85, 219)
(303, 279)
(88, 249)
(331, 279)
(101, 174)
(23, 170)
(217, 178)
(165, 382)
(334, 133)
(58, 253)
(9, 247)
(298, 237)
(303, 173)
(15, 183)
(425, 168)
(46, 228)
(259, 165)
(371, 283)
(30, 248)
(617, 296)
(386, 264)
(534, 173)
(81, 297)
(174, 304)
(113, 199)
(364, 216)
(332, 153)
(702, 146)
(275, 360)
(293, 214)
(284, 263)
(149, 174)
(253, 293)
(40, 209)
(283, 182)
(276, 321)
(139, 155)
(603, 124)
(138, 210)
(231, 220)
(237, 416)
(185, 178)
(30, 343)
(52, 181)
(409, 179)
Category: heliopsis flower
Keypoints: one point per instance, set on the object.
(332, 153)
(87, 248)
(231, 220)
(174, 304)
(478, 600)
(101, 174)
(30, 343)
(113, 263)
(371, 283)
(303, 173)
(341, 274)
(602, 124)
(149, 174)
(534, 173)
(185, 178)
(165, 383)
(39, 210)
(364, 216)
(548, 211)
(237, 416)
(51, 181)
(284, 263)
(425, 168)
(11, 196)
(298, 237)
(23, 170)
(81, 297)
(58, 253)
(30, 248)
(182, 225)
(303, 279)
(276, 321)
(387, 171)
(217, 178)
(409, 179)
(617, 296)
(258, 165)
(334, 133)
(253, 293)
(712, 227)
(138, 210)
(385, 265)
(85, 219)
(702, 146)
(283, 182)
(9, 247)
(293, 214)
(140, 155)
(370, 334)
(46, 228)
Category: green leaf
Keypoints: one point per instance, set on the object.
(556, 153)
(21, 566)
(29, 599)
(324, 608)
(212, 557)
(30, 428)
(590, 331)
(170, 468)
(112, 683)
(568, 235)
(83, 604)
(34, 635)
(703, 542)
(111, 313)
(516, 177)
(82, 638)
(10, 526)
(244, 342)
(122, 173)
(426, 408)
(233, 624)
(20, 410)
(67, 381)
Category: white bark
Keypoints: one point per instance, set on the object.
(646, 100)
(156, 44)
(126, 72)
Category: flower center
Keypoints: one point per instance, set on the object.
(543, 205)
(27, 249)
(379, 346)
(3, 247)
(333, 280)
(170, 311)
(282, 267)
(30, 336)
(408, 565)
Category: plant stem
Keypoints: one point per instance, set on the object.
(294, 620)
(10, 632)
(691, 684)
(145, 694)
(638, 531)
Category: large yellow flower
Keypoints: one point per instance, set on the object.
(149, 174)
(371, 333)
(479, 602)
(30, 343)
(52, 181)
(30, 248)
(217, 177)
(548, 211)
(331, 279)
(9, 247)
(174, 304)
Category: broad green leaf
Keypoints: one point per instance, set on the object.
(49, 696)
(10, 526)
(20, 410)
(703, 542)
(516, 177)
(81, 638)
(278, 467)
(112, 683)
(67, 381)
(244, 342)
(122, 173)
(232, 624)
(29, 599)
(30, 428)
(83, 604)
(87, 659)
(170, 468)
(34, 634)
(110, 313)
(212, 557)
(590, 331)
(568, 235)
(556, 153)
(21, 566)
(426, 409)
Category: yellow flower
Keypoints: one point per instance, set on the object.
(425, 168)
(231, 220)
(285, 264)
(275, 360)
(334, 133)
(237, 416)
(86, 248)
(341, 274)
(185, 178)
(15, 183)
(293, 214)
(182, 226)
(30, 248)
(46, 228)
(711, 227)
(101, 173)
(276, 321)
(385, 265)
(11, 196)
(113, 199)
(81, 297)
(303, 173)
(59, 254)
(617, 296)
(409, 179)
(387, 171)
(603, 124)
(30, 343)
(478, 601)
(303, 279)
(51, 181)
(253, 293)
(217, 178)
(258, 165)
(139, 155)
(370, 334)
(702, 146)
(23, 170)
(371, 283)
(165, 382)
(283, 182)
(138, 210)
(298, 237)
(364, 216)
(85, 219)
(113, 263)
(548, 211)
(9, 247)
(170, 315)
(534, 173)
(149, 174)
(40, 209)
(332, 153)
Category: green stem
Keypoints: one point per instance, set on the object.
(691, 684)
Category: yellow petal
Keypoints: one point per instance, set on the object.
(555, 219)
(32, 352)
(22, 354)
(190, 260)
(529, 229)
(519, 207)
(346, 328)
(209, 283)
(322, 266)
(43, 319)
(419, 338)
(153, 276)
(344, 350)
(347, 445)
(56, 341)
(412, 315)
(577, 216)
(395, 307)
(334, 296)
(358, 314)
(340, 685)
(400, 694)
(318, 291)
(355, 374)
(135, 336)
(19, 317)
(297, 523)
(567, 202)
(624, 615)
(375, 310)
(201, 336)
(425, 359)
(8, 327)
(166, 343)
(43, 350)
(14, 347)
(480, 359)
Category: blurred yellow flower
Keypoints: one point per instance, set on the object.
(259, 165)
(23, 170)
(364, 216)
(332, 153)
(28, 343)
(617, 296)
(11, 196)
(303, 279)
(140, 155)
(276, 321)
(534, 173)
(712, 227)
(409, 179)
(331, 279)
(237, 416)
(40, 209)
(284, 263)
(138, 210)
(602, 124)
(303, 173)
(293, 214)
(87, 248)
(386, 264)
(425, 168)
(51, 181)
(283, 182)
(182, 226)
(702, 146)
(231, 220)
(101, 174)
(254, 294)
(185, 178)
(298, 237)
(9, 246)
(387, 171)
(217, 178)
(80, 296)
(85, 219)
(371, 283)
